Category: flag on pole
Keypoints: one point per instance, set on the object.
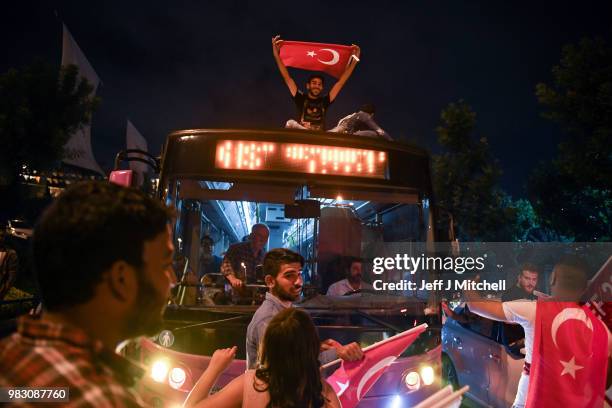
(354, 379)
(445, 398)
(134, 140)
(329, 58)
(570, 357)
(77, 150)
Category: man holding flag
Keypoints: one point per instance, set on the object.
(567, 346)
(338, 61)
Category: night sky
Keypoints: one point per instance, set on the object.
(173, 65)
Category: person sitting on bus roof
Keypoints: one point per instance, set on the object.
(103, 259)
(312, 107)
(283, 275)
(209, 262)
(242, 258)
(353, 281)
(361, 123)
(289, 375)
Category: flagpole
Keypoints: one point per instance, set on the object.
(380, 343)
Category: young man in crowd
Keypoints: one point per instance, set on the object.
(353, 281)
(312, 106)
(283, 276)
(103, 259)
(526, 283)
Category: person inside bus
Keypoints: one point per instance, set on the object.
(209, 262)
(93, 299)
(283, 275)
(353, 281)
(312, 106)
(242, 258)
(361, 123)
(288, 376)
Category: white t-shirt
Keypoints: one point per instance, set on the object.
(341, 287)
(524, 313)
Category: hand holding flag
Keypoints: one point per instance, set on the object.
(354, 379)
(332, 59)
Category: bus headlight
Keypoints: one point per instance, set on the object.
(159, 370)
(427, 375)
(177, 377)
(412, 381)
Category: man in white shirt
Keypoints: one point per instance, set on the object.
(568, 282)
(353, 281)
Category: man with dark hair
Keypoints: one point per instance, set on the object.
(568, 282)
(527, 281)
(312, 106)
(361, 123)
(283, 275)
(209, 262)
(103, 259)
(9, 264)
(353, 281)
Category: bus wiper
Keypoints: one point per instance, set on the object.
(379, 321)
(211, 323)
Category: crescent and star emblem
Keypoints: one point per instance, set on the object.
(335, 57)
(569, 367)
(372, 371)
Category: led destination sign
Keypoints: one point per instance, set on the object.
(300, 158)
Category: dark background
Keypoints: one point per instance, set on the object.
(172, 65)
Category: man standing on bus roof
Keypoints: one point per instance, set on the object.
(312, 106)
(242, 258)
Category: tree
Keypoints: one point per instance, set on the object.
(465, 179)
(572, 194)
(40, 107)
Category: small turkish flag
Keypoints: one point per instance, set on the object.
(570, 357)
(329, 58)
(354, 379)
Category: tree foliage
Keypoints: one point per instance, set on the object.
(40, 107)
(573, 193)
(465, 179)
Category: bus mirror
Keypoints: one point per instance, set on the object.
(303, 209)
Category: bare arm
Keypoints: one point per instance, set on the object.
(228, 271)
(486, 308)
(350, 67)
(220, 360)
(228, 397)
(277, 43)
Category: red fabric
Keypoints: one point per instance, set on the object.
(354, 379)
(328, 58)
(569, 358)
(121, 177)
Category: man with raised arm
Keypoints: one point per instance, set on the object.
(312, 106)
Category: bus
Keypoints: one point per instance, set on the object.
(325, 195)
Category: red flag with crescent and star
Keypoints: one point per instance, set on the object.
(570, 357)
(329, 58)
(354, 379)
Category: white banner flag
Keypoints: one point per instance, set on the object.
(78, 150)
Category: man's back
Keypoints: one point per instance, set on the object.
(43, 354)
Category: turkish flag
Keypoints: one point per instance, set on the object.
(354, 379)
(329, 58)
(570, 357)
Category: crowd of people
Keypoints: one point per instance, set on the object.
(103, 256)
(104, 263)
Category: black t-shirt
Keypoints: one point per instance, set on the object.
(516, 293)
(311, 112)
